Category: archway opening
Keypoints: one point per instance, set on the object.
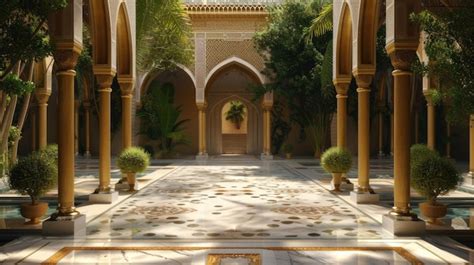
(234, 127)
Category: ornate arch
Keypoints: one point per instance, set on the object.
(101, 33)
(124, 43)
(235, 61)
(150, 76)
(343, 45)
(366, 35)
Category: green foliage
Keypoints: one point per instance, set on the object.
(280, 127)
(13, 85)
(322, 24)
(296, 66)
(336, 160)
(13, 134)
(449, 46)
(23, 35)
(133, 160)
(149, 149)
(420, 152)
(434, 176)
(163, 35)
(161, 119)
(50, 153)
(33, 175)
(236, 112)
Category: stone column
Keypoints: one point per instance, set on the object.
(431, 137)
(103, 193)
(401, 60)
(202, 152)
(470, 176)
(364, 193)
(267, 132)
(66, 61)
(42, 100)
(87, 113)
(341, 90)
(392, 132)
(381, 107)
(126, 87)
(76, 126)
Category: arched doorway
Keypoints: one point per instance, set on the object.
(234, 127)
(231, 83)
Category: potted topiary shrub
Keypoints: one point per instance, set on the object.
(33, 175)
(287, 150)
(131, 161)
(430, 177)
(338, 161)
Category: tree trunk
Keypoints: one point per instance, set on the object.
(22, 115)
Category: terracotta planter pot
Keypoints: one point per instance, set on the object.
(336, 180)
(33, 212)
(131, 179)
(288, 155)
(433, 211)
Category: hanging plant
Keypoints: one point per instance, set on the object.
(236, 113)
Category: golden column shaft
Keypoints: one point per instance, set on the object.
(402, 136)
(66, 142)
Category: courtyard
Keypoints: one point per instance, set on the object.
(282, 210)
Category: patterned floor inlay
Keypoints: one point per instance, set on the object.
(248, 201)
(237, 256)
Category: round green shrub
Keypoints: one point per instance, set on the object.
(34, 176)
(434, 176)
(419, 152)
(133, 160)
(50, 153)
(336, 160)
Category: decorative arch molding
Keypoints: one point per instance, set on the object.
(124, 43)
(365, 31)
(150, 76)
(214, 128)
(43, 74)
(101, 33)
(342, 53)
(234, 60)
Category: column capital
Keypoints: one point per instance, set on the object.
(202, 106)
(342, 86)
(127, 85)
(363, 81)
(66, 55)
(267, 106)
(104, 80)
(401, 58)
(42, 96)
(86, 104)
(429, 97)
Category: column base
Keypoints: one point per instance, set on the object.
(364, 197)
(66, 226)
(469, 178)
(87, 154)
(380, 154)
(202, 157)
(103, 197)
(266, 157)
(403, 226)
(124, 186)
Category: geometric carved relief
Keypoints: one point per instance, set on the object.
(219, 50)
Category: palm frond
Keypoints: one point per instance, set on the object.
(322, 23)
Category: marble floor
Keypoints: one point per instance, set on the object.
(230, 212)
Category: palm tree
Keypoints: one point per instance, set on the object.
(323, 22)
(163, 31)
(236, 113)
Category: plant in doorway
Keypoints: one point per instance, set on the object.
(33, 175)
(287, 149)
(338, 161)
(131, 161)
(432, 176)
(236, 113)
